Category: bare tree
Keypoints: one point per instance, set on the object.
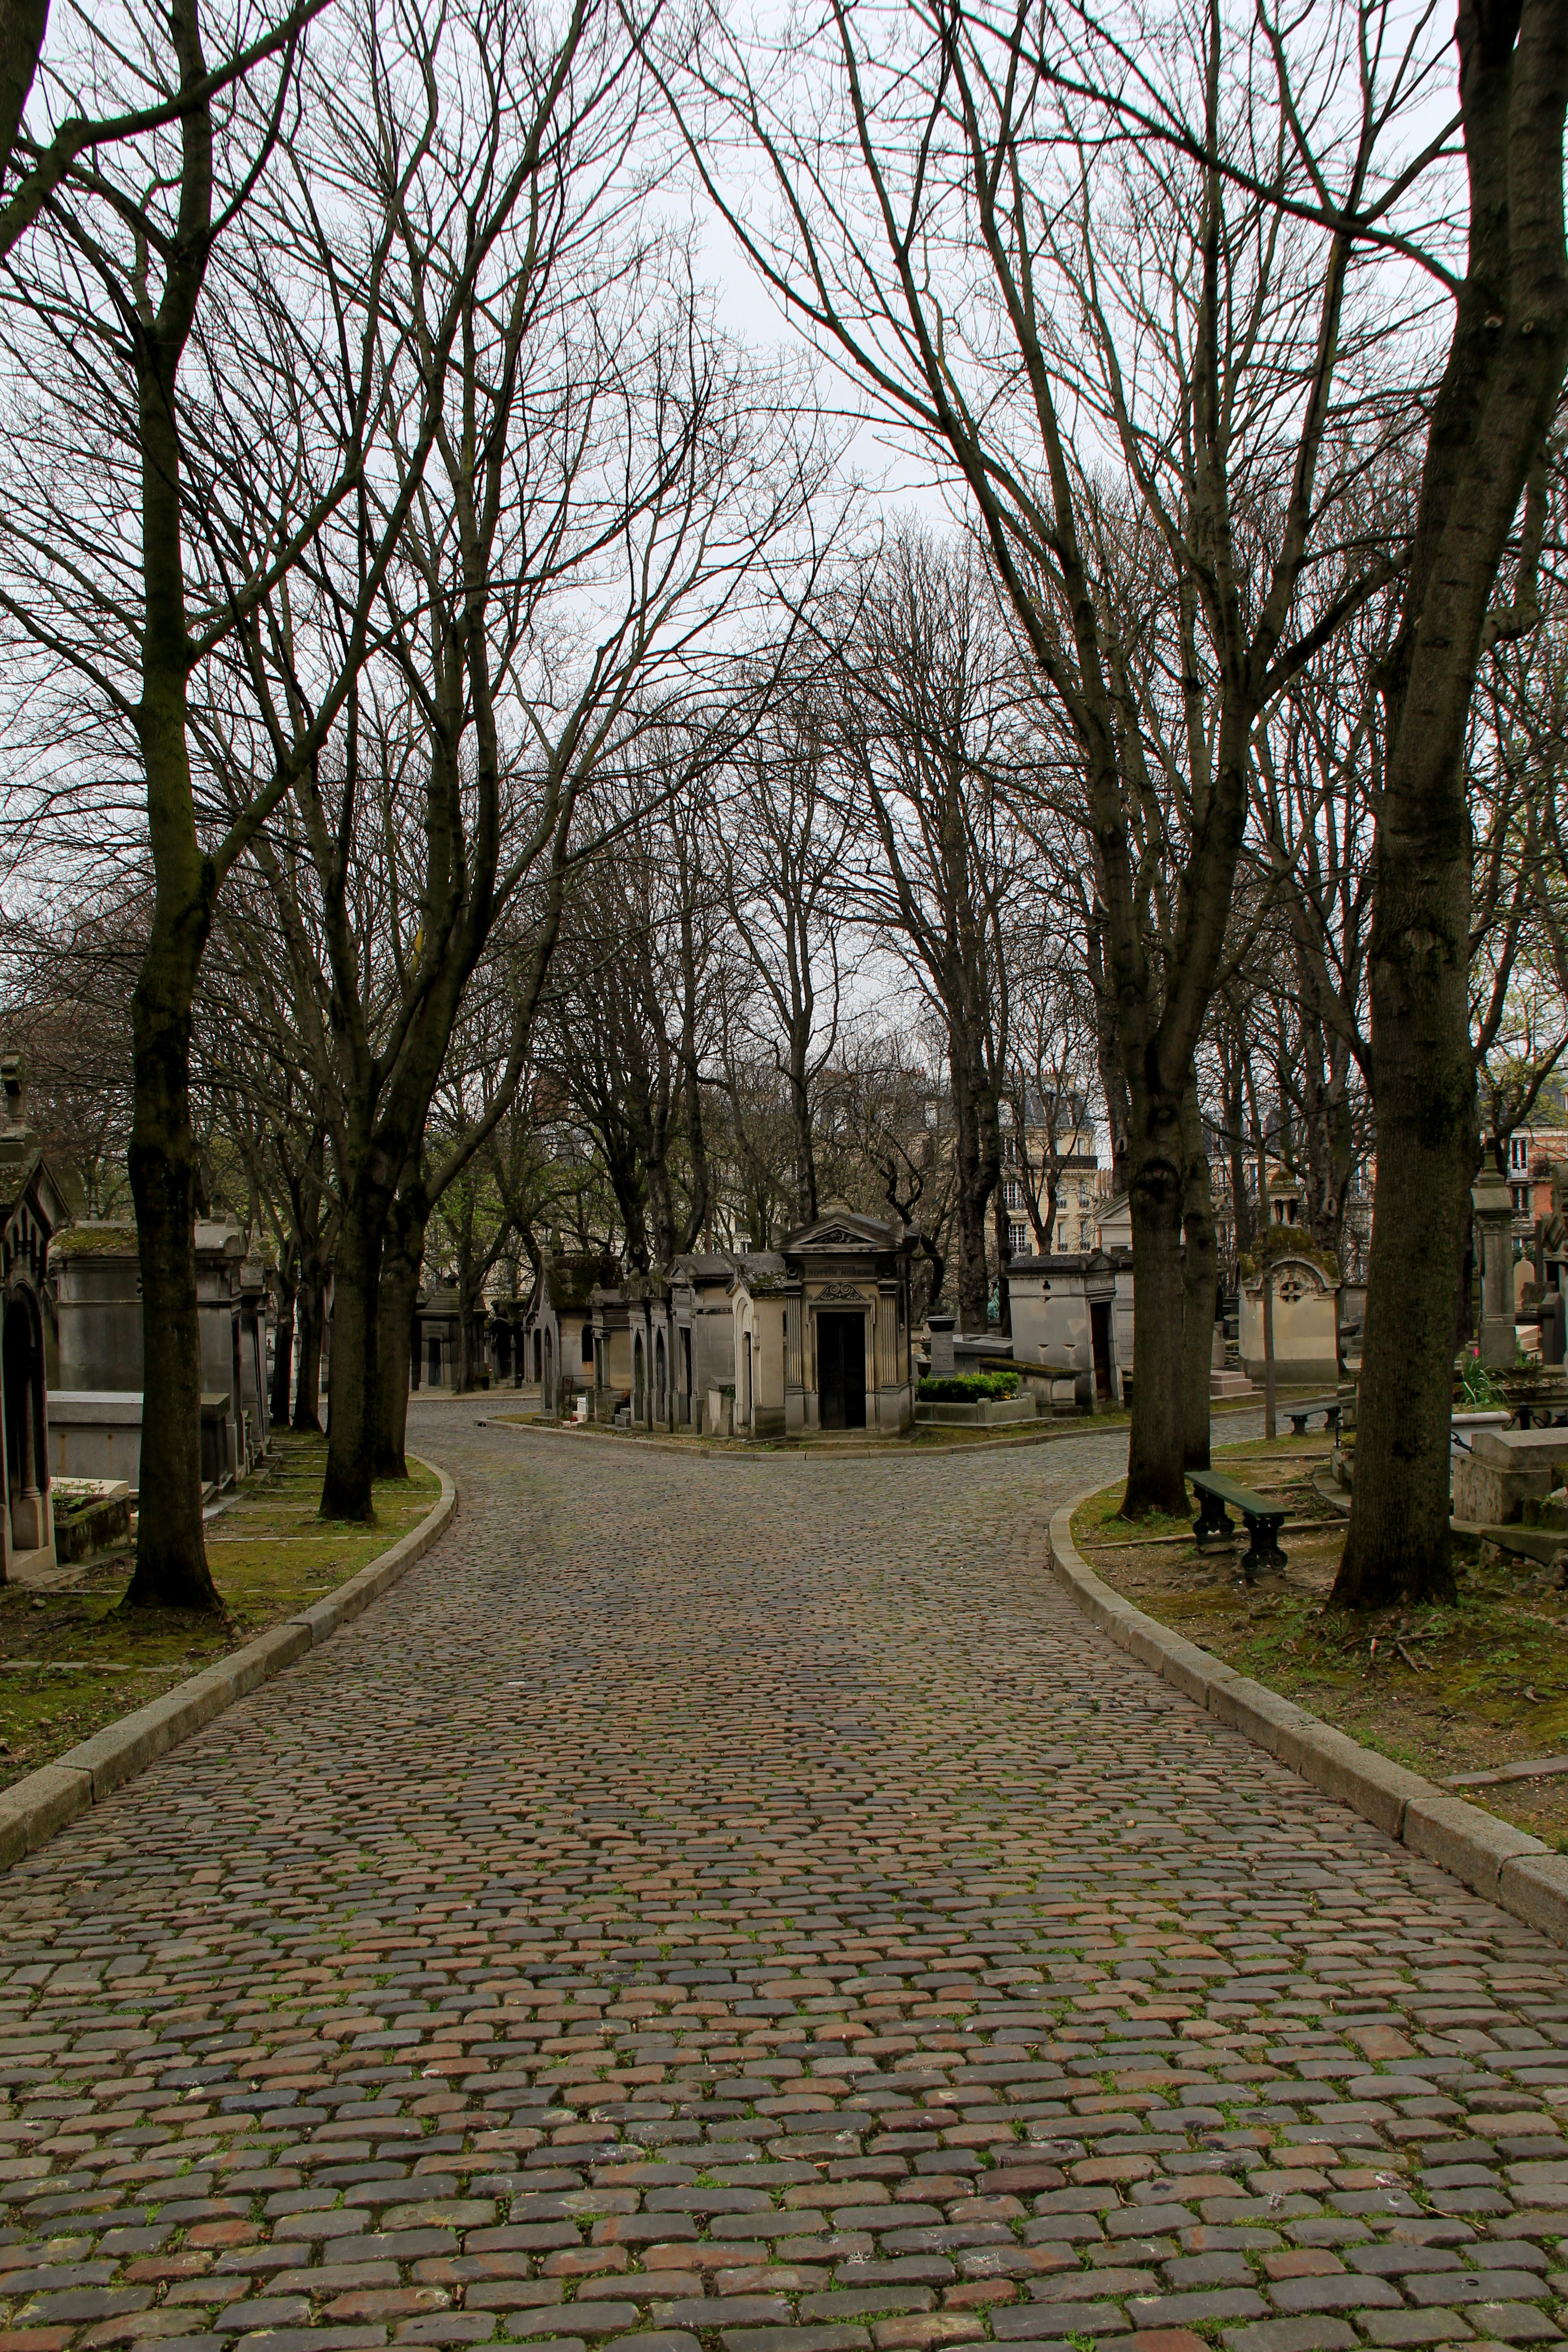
(967, 226)
(929, 726)
(780, 830)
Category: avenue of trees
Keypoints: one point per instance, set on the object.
(525, 789)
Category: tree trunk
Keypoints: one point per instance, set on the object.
(1399, 1542)
(346, 1488)
(1200, 1282)
(1157, 1445)
(464, 1287)
(171, 1555)
(1004, 1254)
(402, 1257)
(308, 1321)
(1489, 430)
(805, 1140)
(973, 1281)
(283, 1350)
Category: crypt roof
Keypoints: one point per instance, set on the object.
(840, 1227)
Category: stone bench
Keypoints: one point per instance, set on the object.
(1263, 1520)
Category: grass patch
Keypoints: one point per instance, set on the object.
(1457, 1686)
(74, 1658)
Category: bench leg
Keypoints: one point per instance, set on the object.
(1263, 1550)
(1332, 1418)
(1213, 1526)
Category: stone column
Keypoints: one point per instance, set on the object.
(1493, 1206)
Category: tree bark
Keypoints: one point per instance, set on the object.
(1490, 421)
(352, 1377)
(1200, 1283)
(403, 1255)
(977, 1160)
(1157, 1445)
(171, 1555)
(172, 1570)
(283, 1347)
(308, 1321)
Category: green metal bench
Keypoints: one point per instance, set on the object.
(1263, 1520)
(1330, 1408)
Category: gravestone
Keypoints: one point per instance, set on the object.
(941, 1356)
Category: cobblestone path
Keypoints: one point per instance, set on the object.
(739, 1902)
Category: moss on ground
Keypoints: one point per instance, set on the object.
(74, 1658)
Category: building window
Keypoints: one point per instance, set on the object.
(1018, 1240)
(1520, 1200)
(1014, 1193)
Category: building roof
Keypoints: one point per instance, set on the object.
(838, 1226)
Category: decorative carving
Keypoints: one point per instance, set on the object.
(836, 1236)
(842, 1290)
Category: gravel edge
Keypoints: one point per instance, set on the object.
(34, 1808)
(1511, 1868)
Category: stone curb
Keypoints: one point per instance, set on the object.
(33, 1809)
(1489, 1856)
(882, 1449)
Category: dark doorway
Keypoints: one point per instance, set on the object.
(1099, 1333)
(841, 1371)
(435, 1364)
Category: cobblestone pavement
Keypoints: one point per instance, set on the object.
(741, 1902)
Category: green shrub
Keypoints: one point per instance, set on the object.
(1478, 1392)
(968, 1388)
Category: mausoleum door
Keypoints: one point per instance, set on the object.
(1100, 1340)
(841, 1371)
(548, 1396)
(659, 1379)
(25, 1470)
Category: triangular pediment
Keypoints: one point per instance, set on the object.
(840, 1227)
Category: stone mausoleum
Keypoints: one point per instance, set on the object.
(1073, 1313)
(558, 1330)
(95, 1424)
(813, 1337)
(31, 1212)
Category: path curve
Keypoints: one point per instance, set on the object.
(742, 1902)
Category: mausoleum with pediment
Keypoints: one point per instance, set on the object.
(814, 1336)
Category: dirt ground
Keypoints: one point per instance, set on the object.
(1460, 1686)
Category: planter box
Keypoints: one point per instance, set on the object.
(91, 1523)
(986, 1412)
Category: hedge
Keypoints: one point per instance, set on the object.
(968, 1388)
